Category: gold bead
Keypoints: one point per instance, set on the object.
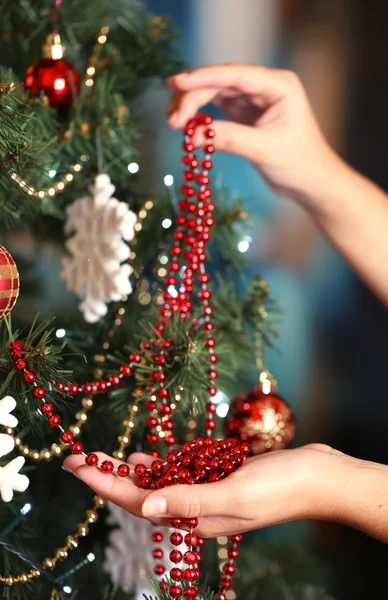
(99, 501)
(92, 516)
(48, 563)
(71, 541)
(83, 529)
(23, 578)
(62, 554)
(9, 581)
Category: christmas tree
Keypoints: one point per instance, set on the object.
(133, 362)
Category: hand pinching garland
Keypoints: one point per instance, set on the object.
(205, 460)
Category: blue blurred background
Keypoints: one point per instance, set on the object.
(331, 364)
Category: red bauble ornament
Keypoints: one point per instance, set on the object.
(56, 78)
(265, 421)
(9, 282)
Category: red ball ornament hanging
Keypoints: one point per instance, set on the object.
(9, 282)
(53, 76)
(265, 421)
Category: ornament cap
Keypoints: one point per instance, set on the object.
(53, 48)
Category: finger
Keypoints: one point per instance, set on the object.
(122, 492)
(268, 84)
(238, 139)
(184, 106)
(188, 501)
(137, 458)
(74, 461)
(323, 448)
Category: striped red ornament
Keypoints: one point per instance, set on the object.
(9, 282)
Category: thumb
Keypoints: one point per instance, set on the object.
(188, 501)
(235, 138)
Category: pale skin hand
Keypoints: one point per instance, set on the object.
(269, 121)
(311, 482)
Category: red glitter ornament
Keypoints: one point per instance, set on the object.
(265, 421)
(9, 282)
(53, 76)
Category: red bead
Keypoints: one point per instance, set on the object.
(176, 538)
(210, 424)
(190, 592)
(115, 380)
(190, 575)
(187, 175)
(101, 386)
(87, 388)
(150, 405)
(159, 570)
(214, 477)
(123, 470)
(191, 539)
(236, 539)
(157, 553)
(67, 437)
(54, 420)
(220, 596)
(170, 440)
(140, 470)
(91, 459)
(135, 358)
(29, 376)
(16, 345)
(206, 164)
(233, 553)
(188, 146)
(213, 358)
(228, 569)
(151, 422)
(189, 131)
(212, 391)
(175, 591)
(192, 523)
(226, 582)
(210, 407)
(210, 342)
(107, 466)
(163, 393)
(39, 392)
(152, 438)
(200, 541)
(47, 408)
(210, 133)
(157, 537)
(167, 425)
(157, 467)
(61, 386)
(77, 448)
(21, 364)
(176, 574)
(187, 191)
(213, 374)
(126, 370)
(145, 482)
(73, 389)
(172, 457)
(176, 522)
(176, 556)
(166, 409)
(163, 585)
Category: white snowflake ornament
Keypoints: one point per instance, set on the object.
(128, 557)
(11, 480)
(101, 226)
(7, 405)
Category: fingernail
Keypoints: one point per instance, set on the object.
(171, 80)
(65, 468)
(155, 506)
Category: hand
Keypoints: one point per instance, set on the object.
(270, 122)
(268, 489)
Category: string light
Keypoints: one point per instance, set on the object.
(133, 168)
(243, 246)
(23, 512)
(54, 188)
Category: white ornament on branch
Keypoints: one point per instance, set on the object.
(101, 226)
(128, 556)
(10, 478)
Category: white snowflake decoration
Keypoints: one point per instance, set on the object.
(128, 557)
(10, 478)
(101, 226)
